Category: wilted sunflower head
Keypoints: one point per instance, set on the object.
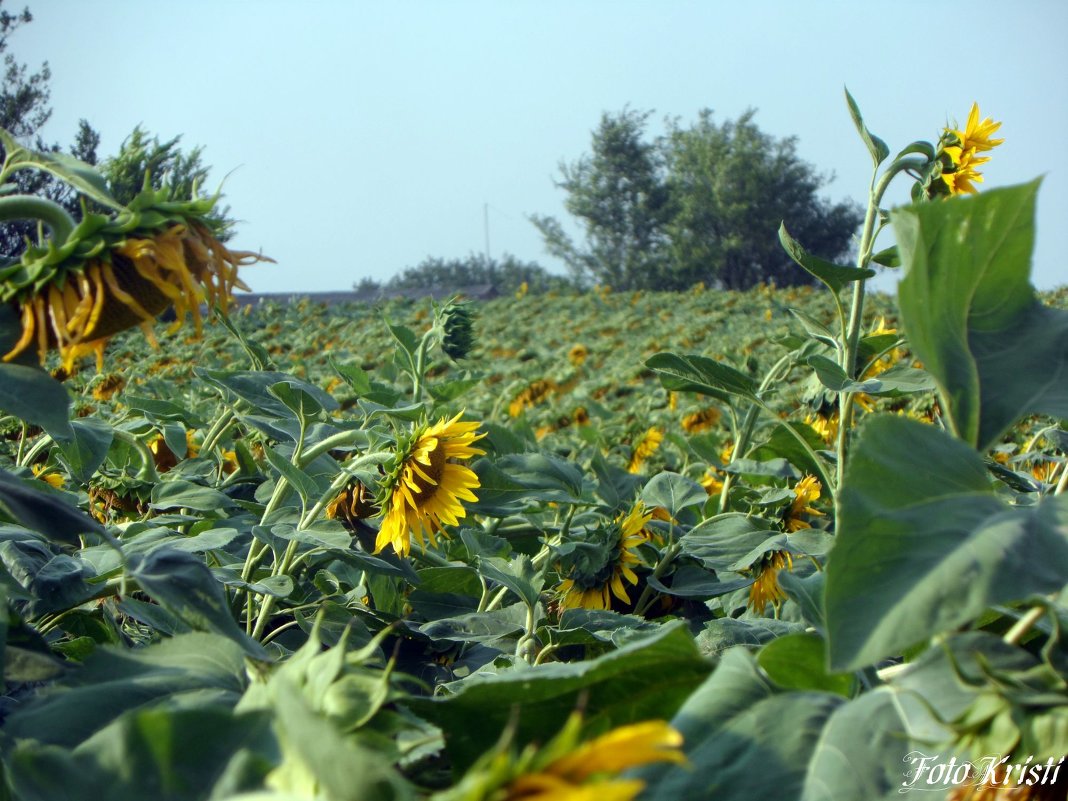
(765, 589)
(806, 491)
(646, 445)
(118, 271)
(596, 564)
(426, 482)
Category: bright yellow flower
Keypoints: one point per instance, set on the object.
(711, 481)
(591, 586)
(645, 447)
(591, 771)
(531, 396)
(54, 480)
(825, 426)
(961, 173)
(976, 134)
(424, 489)
(806, 491)
(766, 588)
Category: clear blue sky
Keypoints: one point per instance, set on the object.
(363, 137)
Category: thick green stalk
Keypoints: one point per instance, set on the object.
(32, 207)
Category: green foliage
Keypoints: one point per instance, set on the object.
(698, 205)
(24, 110)
(619, 196)
(505, 275)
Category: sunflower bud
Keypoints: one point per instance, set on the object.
(457, 322)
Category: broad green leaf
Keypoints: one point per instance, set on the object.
(45, 512)
(673, 492)
(645, 678)
(835, 276)
(971, 315)
(701, 374)
(898, 380)
(83, 177)
(173, 754)
(181, 494)
(88, 448)
(517, 574)
(549, 478)
(927, 544)
(301, 403)
(799, 662)
(162, 411)
(196, 667)
(33, 395)
(745, 738)
(182, 584)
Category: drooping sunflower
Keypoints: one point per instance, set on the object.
(426, 483)
(701, 420)
(116, 271)
(578, 354)
(531, 396)
(766, 588)
(807, 491)
(596, 569)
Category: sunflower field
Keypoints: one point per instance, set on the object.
(805, 543)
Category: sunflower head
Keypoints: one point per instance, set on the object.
(807, 491)
(646, 445)
(355, 502)
(958, 155)
(765, 589)
(595, 565)
(119, 271)
(457, 321)
(426, 482)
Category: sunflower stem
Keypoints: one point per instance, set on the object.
(648, 594)
(32, 207)
(1023, 625)
(218, 428)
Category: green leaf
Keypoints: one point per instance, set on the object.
(182, 584)
(703, 375)
(83, 177)
(173, 754)
(181, 494)
(305, 485)
(88, 448)
(116, 679)
(548, 478)
(898, 380)
(305, 407)
(746, 739)
(876, 146)
(927, 544)
(673, 492)
(798, 662)
(646, 678)
(517, 574)
(971, 314)
(45, 512)
(33, 395)
(835, 276)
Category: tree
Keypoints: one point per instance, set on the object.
(505, 275)
(703, 203)
(24, 110)
(620, 197)
(732, 186)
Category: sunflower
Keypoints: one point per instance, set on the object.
(701, 420)
(102, 281)
(590, 772)
(599, 564)
(645, 447)
(959, 152)
(807, 491)
(531, 396)
(424, 488)
(355, 502)
(577, 355)
(766, 587)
